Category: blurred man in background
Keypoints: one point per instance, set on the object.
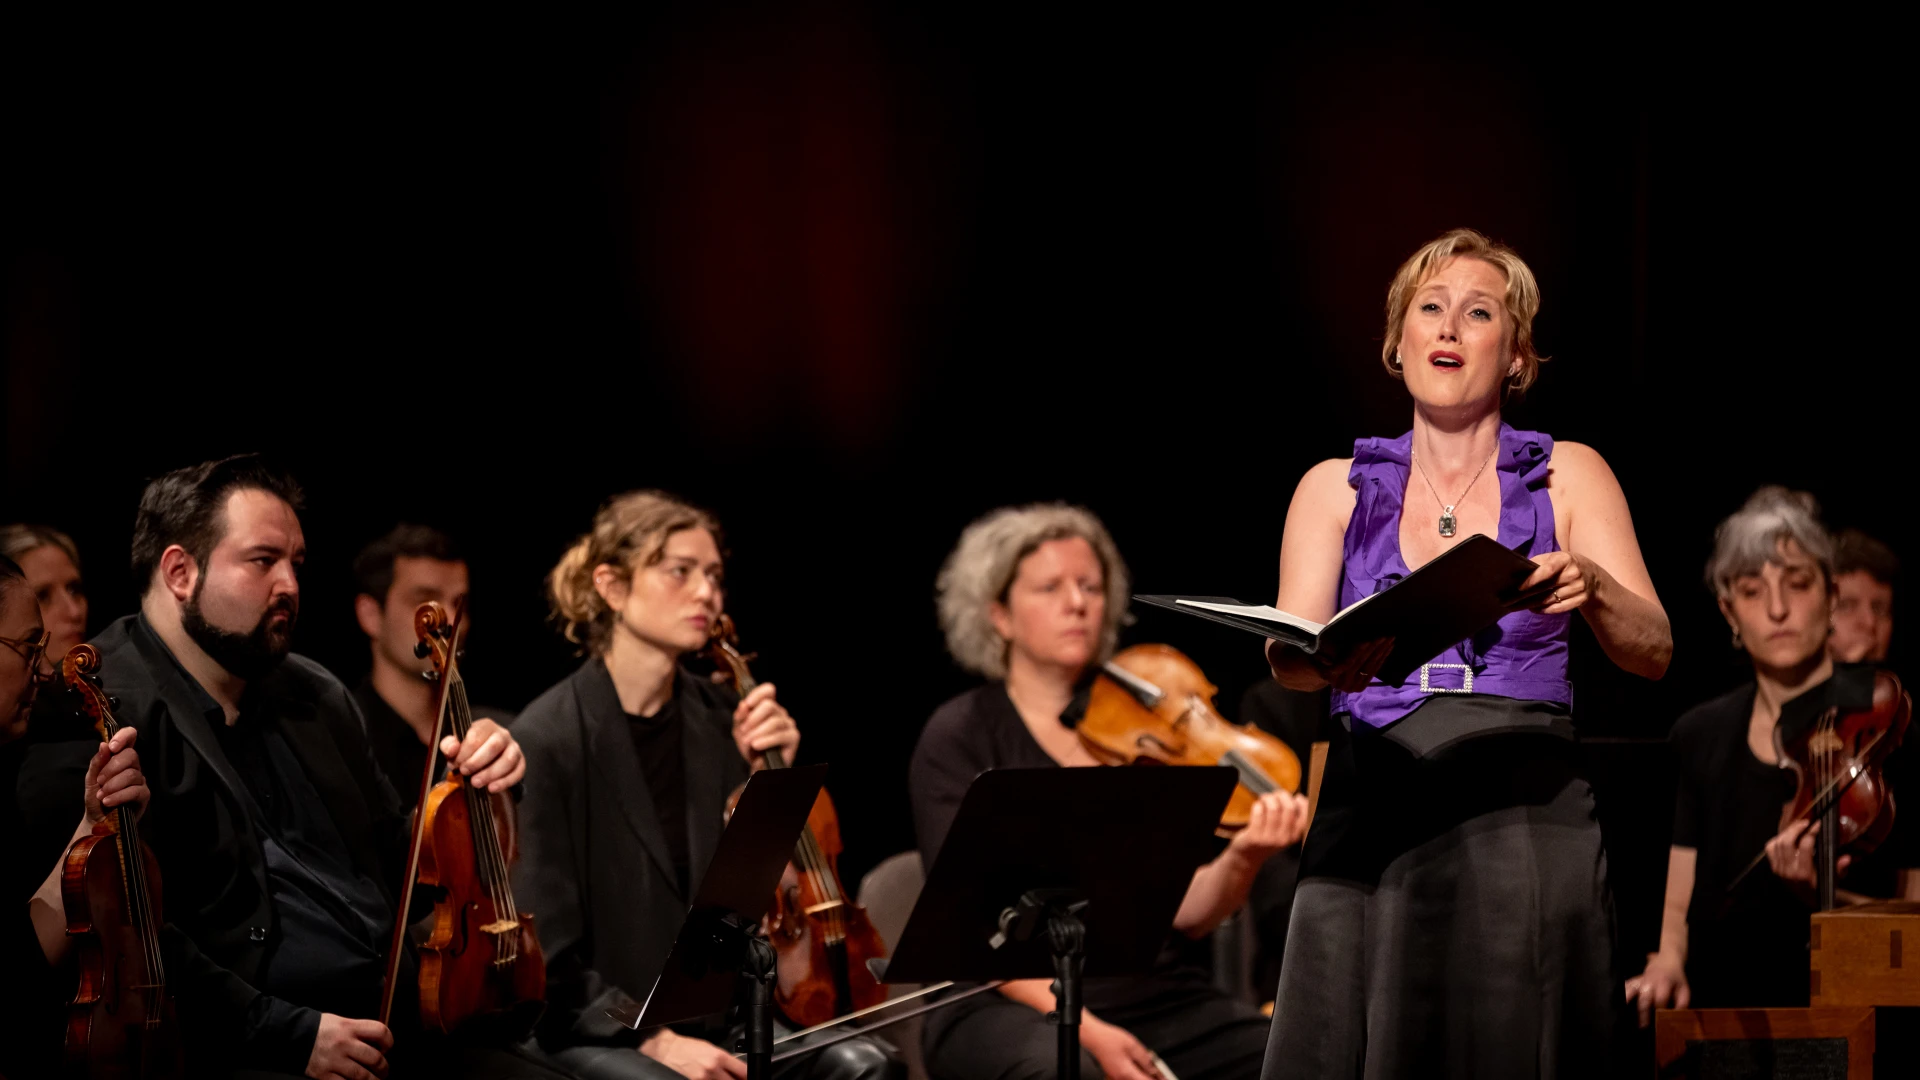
(394, 575)
(1864, 571)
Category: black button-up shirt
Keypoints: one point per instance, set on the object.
(334, 922)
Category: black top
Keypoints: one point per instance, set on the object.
(335, 922)
(398, 750)
(596, 865)
(1750, 949)
(395, 745)
(981, 730)
(659, 739)
(30, 996)
(212, 848)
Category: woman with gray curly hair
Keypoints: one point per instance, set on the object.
(1772, 572)
(1032, 599)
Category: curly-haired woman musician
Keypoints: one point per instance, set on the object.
(1032, 598)
(636, 759)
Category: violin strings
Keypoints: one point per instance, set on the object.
(133, 880)
(491, 860)
(808, 855)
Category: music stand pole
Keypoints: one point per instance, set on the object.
(1069, 938)
(759, 971)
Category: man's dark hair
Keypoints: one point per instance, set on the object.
(1854, 550)
(373, 567)
(188, 507)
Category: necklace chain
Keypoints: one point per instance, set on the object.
(1447, 520)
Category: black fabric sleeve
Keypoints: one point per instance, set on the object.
(944, 764)
(30, 999)
(549, 879)
(219, 1008)
(1686, 795)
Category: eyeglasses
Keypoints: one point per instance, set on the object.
(30, 651)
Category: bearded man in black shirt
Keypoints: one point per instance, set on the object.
(281, 841)
(1733, 945)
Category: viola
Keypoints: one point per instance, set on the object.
(1152, 705)
(481, 963)
(1838, 760)
(822, 939)
(121, 1022)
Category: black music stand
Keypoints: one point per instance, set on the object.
(720, 942)
(1062, 872)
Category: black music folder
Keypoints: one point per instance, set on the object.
(702, 973)
(1127, 841)
(1461, 592)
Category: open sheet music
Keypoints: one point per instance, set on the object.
(1458, 594)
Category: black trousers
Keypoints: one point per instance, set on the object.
(1199, 1032)
(865, 1058)
(445, 1060)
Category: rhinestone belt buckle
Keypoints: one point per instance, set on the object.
(1466, 679)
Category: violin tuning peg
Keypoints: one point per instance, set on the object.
(420, 650)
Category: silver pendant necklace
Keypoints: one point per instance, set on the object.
(1449, 523)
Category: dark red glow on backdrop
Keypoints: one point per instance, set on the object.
(853, 275)
(774, 234)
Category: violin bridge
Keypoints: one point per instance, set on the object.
(827, 905)
(500, 926)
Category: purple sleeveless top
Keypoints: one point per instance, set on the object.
(1522, 656)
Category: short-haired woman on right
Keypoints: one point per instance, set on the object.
(1745, 946)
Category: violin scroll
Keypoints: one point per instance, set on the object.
(434, 627)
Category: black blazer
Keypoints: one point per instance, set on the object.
(211, 863)
(594, 867)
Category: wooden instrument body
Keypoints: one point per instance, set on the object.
(116, 1027)
(481, 965)
(823, 941)
(121, 1022)
(1848, 748)
(466, 975)
(1182, 728)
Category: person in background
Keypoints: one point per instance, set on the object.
(395, 574)
(51, 562)
(32, 992)
(1864, 573)
(1032, 599)
(1294, 717)
(1724, 945)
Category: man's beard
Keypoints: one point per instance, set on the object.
(246, 656)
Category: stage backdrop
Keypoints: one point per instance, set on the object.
(852, 276)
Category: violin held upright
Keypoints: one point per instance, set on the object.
(822, 939)
(481, 963)
(121, 1022)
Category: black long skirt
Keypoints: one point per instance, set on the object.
(1453, 916)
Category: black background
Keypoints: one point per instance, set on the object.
(852, 276)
